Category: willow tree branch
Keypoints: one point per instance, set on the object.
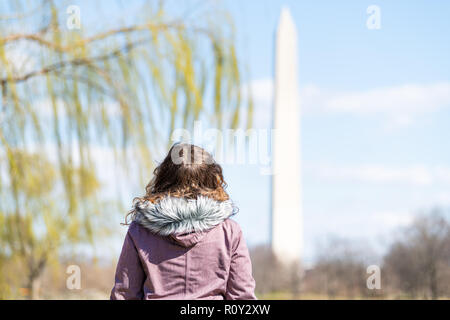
(73, 62)
(35, 37)
(86, 81)
(38, 37)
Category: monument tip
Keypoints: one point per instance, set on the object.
(285, 18)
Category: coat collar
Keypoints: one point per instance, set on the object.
(175, 216)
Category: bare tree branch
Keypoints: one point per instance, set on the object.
(74, 62)
(37, 37)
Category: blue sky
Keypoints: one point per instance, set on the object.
(375, 112)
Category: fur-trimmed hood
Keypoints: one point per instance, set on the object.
(185, 220)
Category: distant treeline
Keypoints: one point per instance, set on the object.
(416, 265)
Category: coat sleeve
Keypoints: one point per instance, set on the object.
(240, 285)
(130, 276)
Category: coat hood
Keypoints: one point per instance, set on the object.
(185, 221)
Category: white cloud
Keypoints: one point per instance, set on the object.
(262, 94)
(392, 219)
(401, 105)
(416, 175)
(405, 98)
(442, 198)
(262, 90)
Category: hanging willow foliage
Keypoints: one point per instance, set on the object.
(65, 92)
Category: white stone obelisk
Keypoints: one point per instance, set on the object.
(287, 229)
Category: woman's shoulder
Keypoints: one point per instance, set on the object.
(231, 228)
(136, 230)
(231, 223)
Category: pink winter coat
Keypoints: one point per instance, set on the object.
(184, 249)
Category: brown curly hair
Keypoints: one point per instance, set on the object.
(187, 171)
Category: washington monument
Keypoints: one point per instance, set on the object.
(287, 229)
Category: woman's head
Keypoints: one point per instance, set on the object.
(187, 171)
